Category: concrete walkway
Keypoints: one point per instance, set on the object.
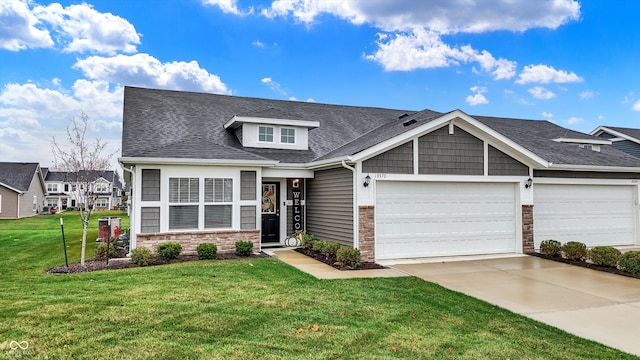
(591, 304)
(324, 271)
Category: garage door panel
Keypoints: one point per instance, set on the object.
(423, 219)
(592, 214)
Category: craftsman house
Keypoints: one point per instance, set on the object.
(393, 183)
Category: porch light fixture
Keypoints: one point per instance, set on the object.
(295, 183)
(529, 183)
(367, 180)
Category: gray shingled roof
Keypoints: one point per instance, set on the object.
(17, 175)
(537, 136)
(634, 133)
(90, 176)
(174, 124)
(177, 124)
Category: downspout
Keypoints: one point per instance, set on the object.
(132, 212)
(356, 224)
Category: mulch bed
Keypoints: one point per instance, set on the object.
(585, 264)
(334, 263)
(123, 262)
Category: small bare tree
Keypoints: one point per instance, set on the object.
(84, 162)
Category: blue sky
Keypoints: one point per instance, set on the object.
(571, 62)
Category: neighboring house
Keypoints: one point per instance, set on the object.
(66, 189)
(625, 139)
(393, 183)
(22, 190)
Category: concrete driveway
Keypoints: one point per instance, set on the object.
(588, 303)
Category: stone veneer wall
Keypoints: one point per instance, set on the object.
(224, 240)
(527, 228)
(366, 233)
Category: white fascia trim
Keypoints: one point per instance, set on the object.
(594, 168)
(329, 162)
(12, 188)
(181, 161)
(238, 120)
(437, 123)
(583, 141)
(615, 133)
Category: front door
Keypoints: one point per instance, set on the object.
(270, 212)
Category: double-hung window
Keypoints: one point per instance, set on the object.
(288, 136)
(184, 200)
(52, 188)
(265, 134)
(218, 202)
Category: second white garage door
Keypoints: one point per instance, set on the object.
(426, 219)
(591, 214)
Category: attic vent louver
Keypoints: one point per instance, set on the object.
(403, 116)
(409, 122)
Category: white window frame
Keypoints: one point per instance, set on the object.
(100, 201)
(224, 199)
(52, 187)
(102, 187)
(0, 203)
(263, 137)
(290, 135)
(188, 201)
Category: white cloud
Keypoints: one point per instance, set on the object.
(539, 92)
(276, 87)
(547, 115)
(20, 29)
(228, 6)
(442, 16)
(546, 74)
(574, 120)
(629, 98)
(258, 43)
(422, 49)
(477, 98)
(601, 117)
(84, 29)
(588, 94)
(145, 70)
(30, 115)
(636, 106)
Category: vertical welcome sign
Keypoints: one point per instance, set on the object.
(296, 191)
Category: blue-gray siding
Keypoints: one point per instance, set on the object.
(503, 164)
(629, 147)
(398, 160)
(247, 217)
(329, 202)
(442, 153)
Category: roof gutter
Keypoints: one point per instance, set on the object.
(182, 161)
(593, 168)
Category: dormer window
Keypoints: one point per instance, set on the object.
(287, 135)
(272, 129)
(265, 134)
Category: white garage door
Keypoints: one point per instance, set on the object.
(423, 219)
(591, 214)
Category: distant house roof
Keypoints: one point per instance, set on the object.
(627, 133)
(89, 176)
(17, 176)
(186, 125)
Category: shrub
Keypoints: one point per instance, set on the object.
(630, 262)
(319, 245)
(207, 251)
(551, 247)
(349, 256)
(604, 255)
(574, 250)
(307, 241)
(244, 248)
(101, 251)
(330, 249)
(141, 256)
(169, 250)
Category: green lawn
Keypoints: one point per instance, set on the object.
(244, 309)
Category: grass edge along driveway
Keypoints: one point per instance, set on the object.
(254, 308)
